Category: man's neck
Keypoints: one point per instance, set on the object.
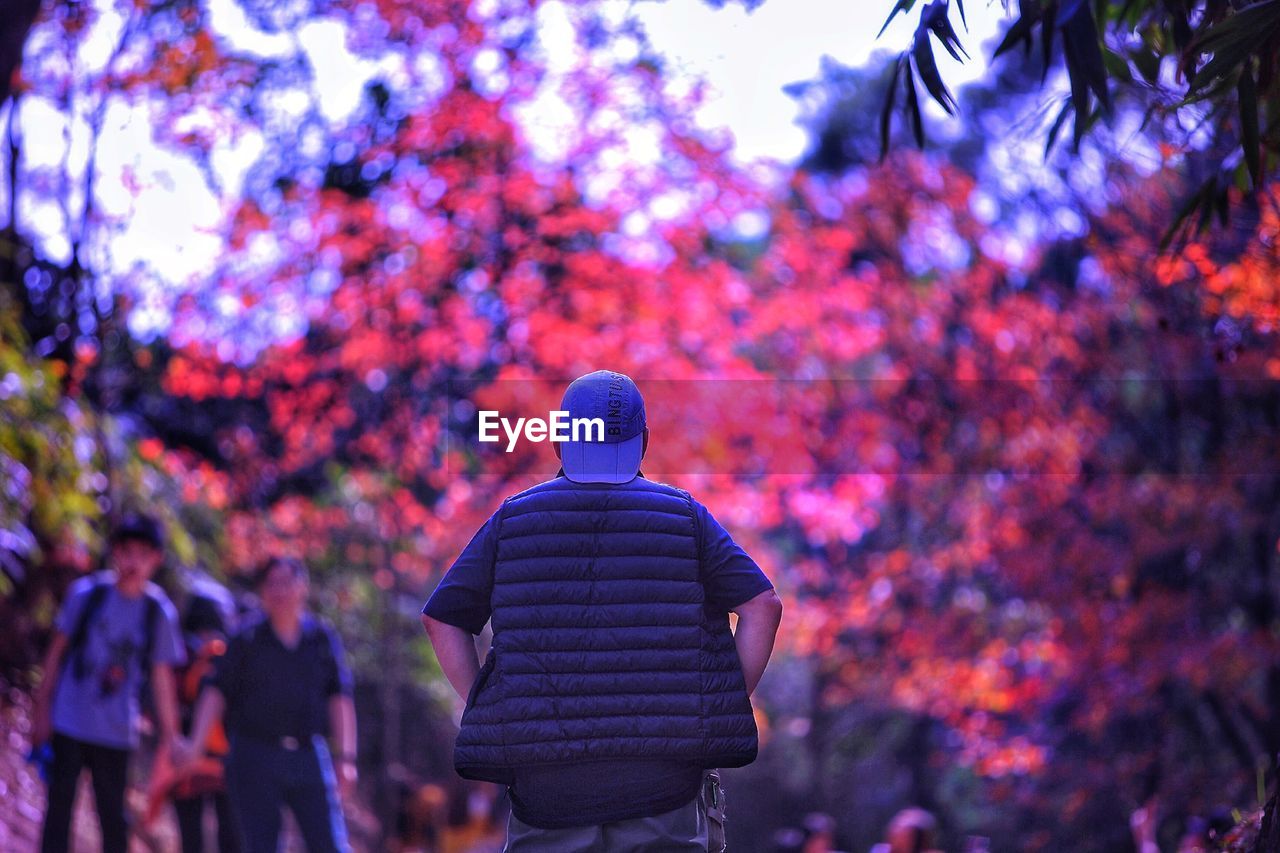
(288, 627)
(561, 473)
(128, 590)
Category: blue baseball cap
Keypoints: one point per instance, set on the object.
(138, 527)
(614, 399)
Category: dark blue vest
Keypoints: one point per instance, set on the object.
(603, 647)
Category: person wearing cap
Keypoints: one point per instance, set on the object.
(280, 687)
(613, 691)
(112, 625)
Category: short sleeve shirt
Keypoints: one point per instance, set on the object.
(462, 598)
(273, 691)
(98, 695)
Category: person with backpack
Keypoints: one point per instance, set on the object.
(114, 629)
(613, 690)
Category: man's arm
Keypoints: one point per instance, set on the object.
(164, 691)
(456, 650)
(209, 708)
(43, 710)
(342, 723)
(758, 620)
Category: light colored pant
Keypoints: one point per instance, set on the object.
(685, 828)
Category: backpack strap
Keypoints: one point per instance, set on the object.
(93, 603)
(98, 595)
(151, 613)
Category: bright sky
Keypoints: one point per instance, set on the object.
(172, 231)
(749, 57)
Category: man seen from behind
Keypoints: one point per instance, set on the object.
(614, 690)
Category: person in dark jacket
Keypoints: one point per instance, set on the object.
(283, 684)
(613, 691)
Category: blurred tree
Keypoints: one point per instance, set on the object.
(1019, 495)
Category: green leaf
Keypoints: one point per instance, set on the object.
(889, 98)
(1188, 207)
(1206, 205)
(900, 6)
(1248, 97)
(1057, 126)
(913, 109)
(960, 4)
(1228, 54)
(1067, 11)
(1209, 94)
(1046, 37)
(1117, 66)
(1240, 177)
(1019, 31)
(1130, 13)
(1181, 28)
(1079, 93)
(928, 70)
(1146, 116)
(1080, 36)
(1147, 62)
(1250, 19)
(935, 18)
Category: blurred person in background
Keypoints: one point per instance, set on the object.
(421, 818)
(1143, 823)
(1195, 836)
(819, 833)
(1206, 833)
(912, 830)
(788, 840)
(116, 632)
(281, 686)
(432, 818)
(208, 619)
(479, 824)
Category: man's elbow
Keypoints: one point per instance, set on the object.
(775, 606)
(765, 606)
(436, 628)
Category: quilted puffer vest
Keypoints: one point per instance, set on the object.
(603, 647)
